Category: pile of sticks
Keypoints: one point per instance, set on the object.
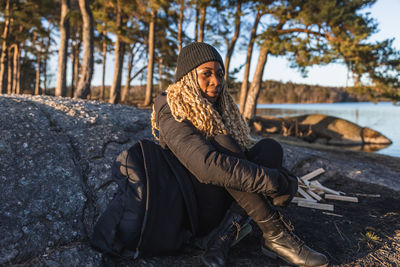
(311, 193)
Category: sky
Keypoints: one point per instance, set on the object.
(386, 13)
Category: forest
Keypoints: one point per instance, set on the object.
(145, 37)
(276, 92)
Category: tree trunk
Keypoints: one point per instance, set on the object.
(4, 49)
(180, 25)
(196, 25)
(3, 70)
(150, 64)
(9, 72)
(61, 85)
(125, 90)
(103, 75)
(231, 45)
(83, 89)
(46, 56)
(76, 49)
(37, 82)
(18, 71)
(38, 65)
(73, 77)
(245, 83)
(16, 57)
(202, 23)
(115, 91)
(252, 96)
(16, 63)
(160, 86)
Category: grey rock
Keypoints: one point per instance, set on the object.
(56, 155)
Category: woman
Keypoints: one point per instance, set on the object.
(198, 121)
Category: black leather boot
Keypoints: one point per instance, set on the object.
(223, 237)
(280, 241)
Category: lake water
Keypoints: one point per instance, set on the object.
(383, 117)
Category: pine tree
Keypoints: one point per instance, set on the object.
(83, 89)
(181, 12)
(253, 34)
(102, 11)
(231, 42)
(150, 64)
(76, 23)
(61, 85)
(4, 46)
(115, 90)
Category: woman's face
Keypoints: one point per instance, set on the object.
(211, 78)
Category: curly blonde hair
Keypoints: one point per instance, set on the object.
(187, 102)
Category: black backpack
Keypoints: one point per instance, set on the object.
(153, 211)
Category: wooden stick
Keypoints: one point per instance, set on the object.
(311, 175)
(341, 198)
(297, 199)
(326, 189)
(304, 194)
(336, 192)
(311, 193)
(367, 195)
(316, 182)
(308, 204)
(338, 230)
(332, 214)
(317, 190)
(304, 184)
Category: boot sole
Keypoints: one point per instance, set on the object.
(274, 256)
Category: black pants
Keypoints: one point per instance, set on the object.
(213, 201)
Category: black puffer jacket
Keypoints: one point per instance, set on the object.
(203, 160)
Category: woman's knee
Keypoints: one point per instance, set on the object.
(266, 152)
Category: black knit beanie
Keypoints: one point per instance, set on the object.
(193, 55)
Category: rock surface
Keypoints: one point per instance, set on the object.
(55, 165)
(55, 162)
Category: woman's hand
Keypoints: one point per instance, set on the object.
(288, 185)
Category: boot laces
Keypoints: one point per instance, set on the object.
(238, 228)
(289, 226)
(234, 225)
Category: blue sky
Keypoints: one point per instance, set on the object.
(386, 12)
